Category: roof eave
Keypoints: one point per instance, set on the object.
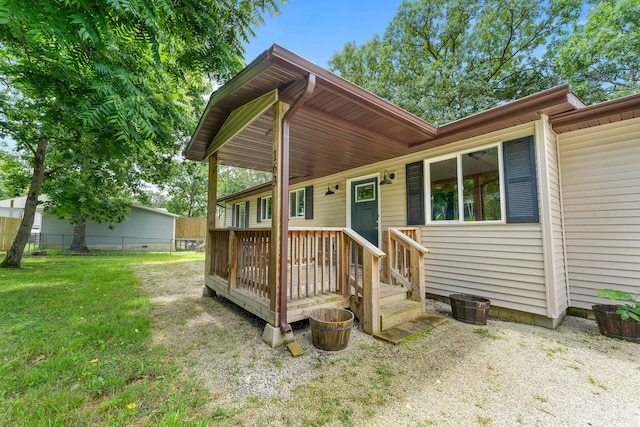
(251, 71)
(628, 105)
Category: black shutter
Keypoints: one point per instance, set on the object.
(520, 180)
(415, 193)
(308, 202)
(259, 217)
(246, 214)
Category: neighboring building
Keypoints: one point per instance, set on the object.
(145, 229)
(14, 208)
(533, 204)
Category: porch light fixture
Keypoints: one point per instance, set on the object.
(330, 191)
(476, 155)
(387, 178)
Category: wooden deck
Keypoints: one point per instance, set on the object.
(326, 268)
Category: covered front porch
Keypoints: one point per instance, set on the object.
(285, 115)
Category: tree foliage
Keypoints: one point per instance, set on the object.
(187, 189)
(185, 193)
(117, 80)
(601, 58)
(446, 59)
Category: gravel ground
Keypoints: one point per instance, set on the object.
(502, 374)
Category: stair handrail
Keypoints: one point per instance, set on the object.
(408, 240)
(370, 247)
(415, 279)
(370, 278)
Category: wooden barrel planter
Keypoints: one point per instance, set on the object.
(470, 308)
(331, 328)
(611, 324)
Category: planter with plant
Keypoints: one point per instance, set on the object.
(620, 320)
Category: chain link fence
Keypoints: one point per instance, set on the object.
(60, 243)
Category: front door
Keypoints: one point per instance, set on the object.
(364, 208)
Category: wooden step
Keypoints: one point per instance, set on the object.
(399, 312)
(391, 293)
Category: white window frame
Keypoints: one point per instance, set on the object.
(372, 199)
(460, 178)
(266, 214)
(239, 211)
(293, 204)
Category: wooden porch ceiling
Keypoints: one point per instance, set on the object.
(341, 126)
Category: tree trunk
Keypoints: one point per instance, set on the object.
(14, 256)
(79, 243)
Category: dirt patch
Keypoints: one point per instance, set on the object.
(502, 374)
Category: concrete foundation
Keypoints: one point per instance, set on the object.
(514, 315)
(274, 337)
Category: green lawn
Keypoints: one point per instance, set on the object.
(75, 347)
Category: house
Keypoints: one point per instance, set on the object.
(146, 229)
(532, 204)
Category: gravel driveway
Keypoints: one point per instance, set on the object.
(502, 374)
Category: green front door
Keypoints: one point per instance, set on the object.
(364, 208)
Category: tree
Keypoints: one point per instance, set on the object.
(120, 78)
(14, 174)
(601, 59)
(187, 189)
(232, 179)
(186, 192)
(446, 59)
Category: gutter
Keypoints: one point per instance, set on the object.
(284, 229)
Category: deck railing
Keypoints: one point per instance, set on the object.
(405, 261)
(321, 261)
(219, 241)
(252, 254)
(314, 266)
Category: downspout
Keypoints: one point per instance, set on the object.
(284, 229)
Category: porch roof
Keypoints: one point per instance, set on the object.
(341, 126)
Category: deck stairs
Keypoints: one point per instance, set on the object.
(395, 307)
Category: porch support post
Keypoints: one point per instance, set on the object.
(370, 293)
(212, 201)
(279, 213)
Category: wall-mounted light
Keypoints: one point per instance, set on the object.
(387, 177)
(330, 189)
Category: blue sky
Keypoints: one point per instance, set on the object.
(315, 29)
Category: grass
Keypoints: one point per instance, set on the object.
(75, 348)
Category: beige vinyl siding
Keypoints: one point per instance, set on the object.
(502, 262)
(601, 199)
